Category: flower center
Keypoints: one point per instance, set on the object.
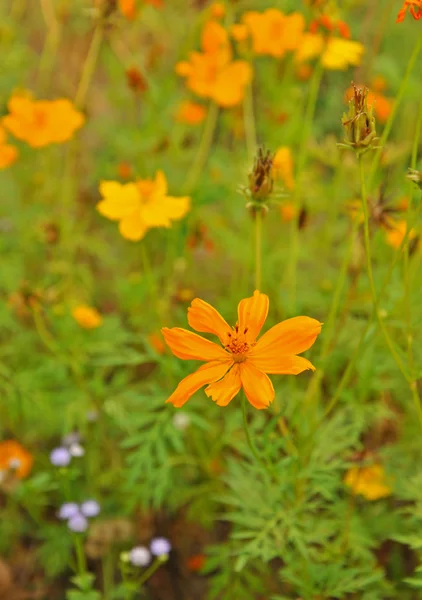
(237, 344)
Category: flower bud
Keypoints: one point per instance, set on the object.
(359, 123)
(261, 180)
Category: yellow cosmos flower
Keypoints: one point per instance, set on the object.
(336, 53)
(369, 482)
(212, 73)
(141, 205)
(272, 32)
(87, 316)
(8, 153)
(241, 361)
(283, 167)
(42, 122)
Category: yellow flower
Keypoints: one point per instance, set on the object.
(87, 317)
(191, 113)
(369, 482)
(273, 32)
(141, 205)
(42, 122)
(239, 32)
(241, 361)
(336, 53)
(8, 153)
(283, 167)
(212, 73)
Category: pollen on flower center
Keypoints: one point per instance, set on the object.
(237, 344)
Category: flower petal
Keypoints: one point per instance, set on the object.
(292, 336)
(211, 371)
(223, 391)
(205, 318)
(190, 346)
(132, 227)
(275, 364)
(258, 387)
(252, 313)
(119, 200)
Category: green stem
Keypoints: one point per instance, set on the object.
(383, 328)
(329, 329)
(151, 569)
(251, 444)
(397, 102)
(80, 554)
(301, 162)
(89, 66)
(204, 148)
(249, 121)
(258, 248)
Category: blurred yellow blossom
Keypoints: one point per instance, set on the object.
(369, 482)
(239, 32)
(42, 122)
(141, 205)
(87, 316)
(212, 73)
(273, 33)
(191, 113)
(8, 153)
(336, 53)
(283, 167)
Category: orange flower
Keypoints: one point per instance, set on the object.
(283, 167)
(87, 317)
(136, 81)
(156, 342)
(395, 233)
(191, 113)
(241, 362)
(141, 205)
(14, 459)
(196, 562)
(8, 153)
(273, 32)
(218, 10)
(369, 482)
(128, 8)
(288, 212)
(212, 73)
(415, 9)
(42, 122)
(239, 32)
(124, 170)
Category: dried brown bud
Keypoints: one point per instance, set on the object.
(359, 123)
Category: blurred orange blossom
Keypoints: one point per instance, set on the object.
(42, 122)
(242, 362)
(191, 113)
(141, 205)
(87, 316)
(212, 73)
(414, 7)
(15, 459)
(8, 153)
(272, 32)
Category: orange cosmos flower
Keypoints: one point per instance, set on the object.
(241, 362)
(87, 317)
(8, 153)
(218, 10)
(212, 73)
(273, 32)
(191, 113)
(14, 459)
(395, 233)
(139, 206)
(369, 482)
(42, 122)
(128, 9)
(414, 7)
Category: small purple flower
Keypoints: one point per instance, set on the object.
(160, 546)
(140, 556)
(60, 457)
(78, 523)
(90, 508)
(68, 510)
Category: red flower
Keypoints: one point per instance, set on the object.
(415, 8)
